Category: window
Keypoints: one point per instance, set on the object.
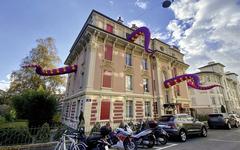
(129, 109)
(129, 59)
(82, 80)
(167, 96)
(147, 109)
(109, 28)
(128, 82)
(108, 52)
(144, 64)
(213, 101)
(105, 110)
(145, 85)
(161, 48)
(107, 79)
(178, 90)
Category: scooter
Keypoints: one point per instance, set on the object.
(144, 137)
(121, 139)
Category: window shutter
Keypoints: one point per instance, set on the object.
(108, 52)
(107, 79)
(109, 28)
(105, 110)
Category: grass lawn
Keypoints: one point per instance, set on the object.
(16, 124)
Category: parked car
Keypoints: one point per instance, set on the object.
(222, 120)
(182, 125)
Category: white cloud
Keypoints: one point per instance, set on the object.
(4, 84)
(141, 4)
(111, 3)
(138, 23)
(207, 30)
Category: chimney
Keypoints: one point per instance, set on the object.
(120, 20)
(134, 27)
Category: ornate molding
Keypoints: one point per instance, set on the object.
(128, 69)
(107, 64)
(145, 73)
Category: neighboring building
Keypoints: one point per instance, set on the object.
(116, 80)
(216, 99)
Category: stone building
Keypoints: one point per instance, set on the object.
(216, 99)
(116, 80)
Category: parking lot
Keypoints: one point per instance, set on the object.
(217, 140)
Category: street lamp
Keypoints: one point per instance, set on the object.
(167, 3)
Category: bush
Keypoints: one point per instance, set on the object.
(10, 136)
(57, 119)
(37, 107)
(10, 116)
(43, 134)
(2, 119)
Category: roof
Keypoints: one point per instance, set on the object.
(86, 24)
(213, 64)
(231, 73)
(211, 72)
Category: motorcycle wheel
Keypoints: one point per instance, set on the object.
(129, 144)
(162, 140)
(151, 140)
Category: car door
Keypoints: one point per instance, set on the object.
(193, 124)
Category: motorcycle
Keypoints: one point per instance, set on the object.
(144, 137)
(121, 139)
(160, 134)
(95, 142)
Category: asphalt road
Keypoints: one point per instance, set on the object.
(218, 139)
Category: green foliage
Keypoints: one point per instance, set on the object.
(96, 128)
(202, 117)
(43, 135)
(45, 54)
(37, 107)
(11, 136)
(2, 120)
(16, 124)
(57, 118)
(11, 115)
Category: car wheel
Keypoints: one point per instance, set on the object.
(204, 132)
(183, 136)
(236, 124)
(229, 126)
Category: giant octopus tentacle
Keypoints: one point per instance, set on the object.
(52, 72)
(193, 81)
(141, 31)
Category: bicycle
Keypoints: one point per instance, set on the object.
(61, 145)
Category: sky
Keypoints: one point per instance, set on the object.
(204, 30)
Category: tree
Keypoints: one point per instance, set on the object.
(26, 78)
(37, 107)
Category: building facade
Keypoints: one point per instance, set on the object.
(217, 99)
(117, 80)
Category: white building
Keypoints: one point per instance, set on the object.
(214, 100)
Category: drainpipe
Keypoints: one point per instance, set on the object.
(153, 83)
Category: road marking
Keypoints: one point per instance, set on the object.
(218, 140)
(167, 146)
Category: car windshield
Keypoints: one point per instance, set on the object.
(166, 118)
(215, 115)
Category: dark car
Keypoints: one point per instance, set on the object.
(182, 125)
(222, 120)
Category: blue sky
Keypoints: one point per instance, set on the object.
(195, 26)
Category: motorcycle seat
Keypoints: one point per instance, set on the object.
(93, 139)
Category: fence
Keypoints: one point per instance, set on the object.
(22, 136)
